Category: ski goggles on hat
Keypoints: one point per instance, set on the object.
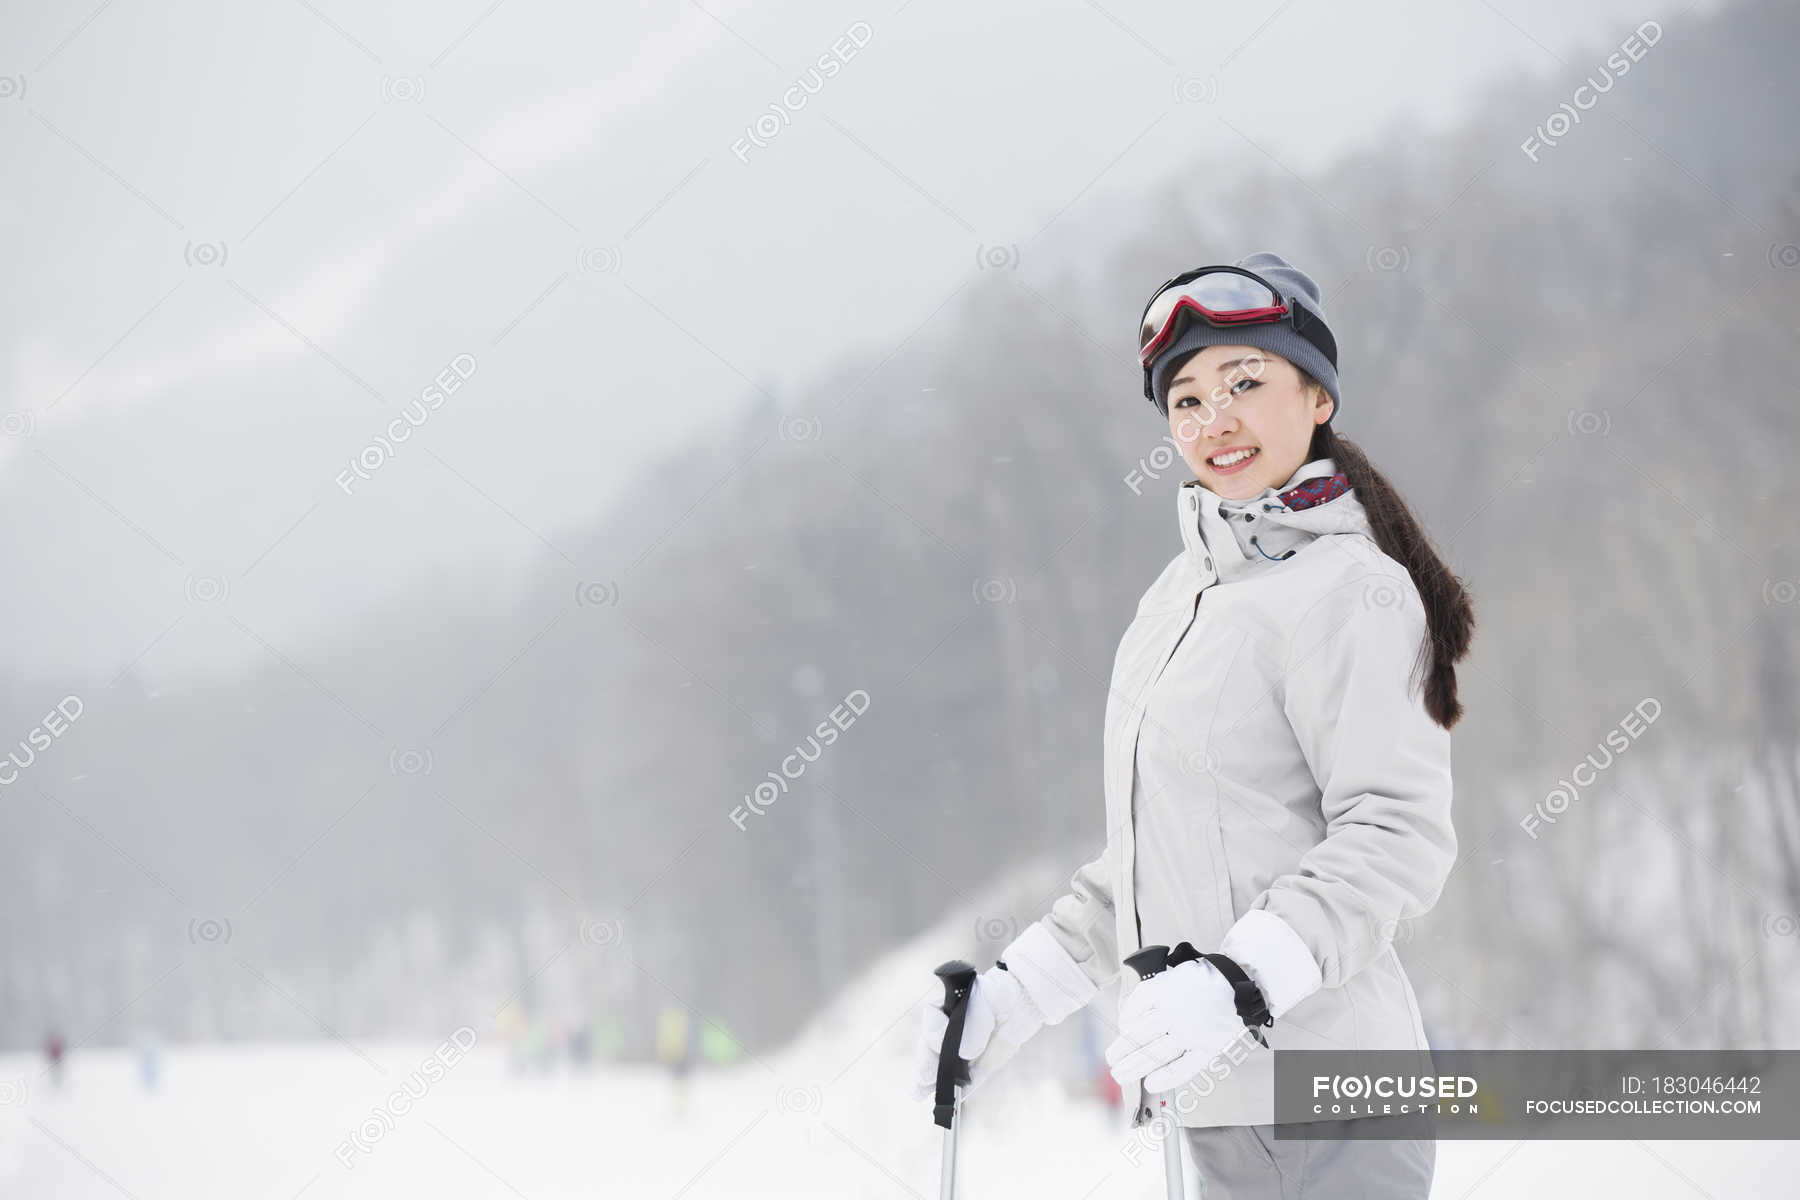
(1223, 297)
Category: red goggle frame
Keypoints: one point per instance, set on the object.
(1222, 296)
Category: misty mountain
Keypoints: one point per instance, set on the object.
(521, 782)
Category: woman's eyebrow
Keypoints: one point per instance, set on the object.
(1224, 366)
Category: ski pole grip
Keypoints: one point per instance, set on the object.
(959, 981)
(1149, 961)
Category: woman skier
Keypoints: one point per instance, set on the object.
(1276, 762)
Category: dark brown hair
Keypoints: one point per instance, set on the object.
(1449, 612)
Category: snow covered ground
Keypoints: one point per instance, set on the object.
(827, 1115)
(248, 1123)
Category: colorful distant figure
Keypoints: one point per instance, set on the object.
(54, 1050)
(512, 1034)
(1093, 1059)
(717, 1047)
(149, 1056)
(675, 1050)
(539, 1048)
(580, 1047)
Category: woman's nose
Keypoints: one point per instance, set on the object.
(1216, 425)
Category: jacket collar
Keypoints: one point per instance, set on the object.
(1218, 532)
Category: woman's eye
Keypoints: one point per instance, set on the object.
(1237, 389)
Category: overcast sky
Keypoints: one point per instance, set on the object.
(242, 236)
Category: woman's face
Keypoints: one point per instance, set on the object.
(1227, 399)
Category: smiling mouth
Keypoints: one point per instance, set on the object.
(1232, 460)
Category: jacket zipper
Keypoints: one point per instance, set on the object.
(1137, 917)
(1131, 809)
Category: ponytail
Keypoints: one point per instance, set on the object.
(1449, 612)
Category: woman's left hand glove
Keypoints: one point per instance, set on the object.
(1172, 1025)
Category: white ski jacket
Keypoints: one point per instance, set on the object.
(1274, 787)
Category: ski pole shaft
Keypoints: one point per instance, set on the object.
(1150, 962)
(953, 1071)
(947, 1166)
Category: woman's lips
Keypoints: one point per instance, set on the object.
(1237, 466)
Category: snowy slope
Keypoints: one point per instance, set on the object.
(827, 1115)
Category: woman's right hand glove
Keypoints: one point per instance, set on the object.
(1040, 985)
(1001, 1019)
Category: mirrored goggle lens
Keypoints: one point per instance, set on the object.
(1221, 293)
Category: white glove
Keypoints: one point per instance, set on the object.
(1001, 1019)
(1172, 1025)
(1039, 986)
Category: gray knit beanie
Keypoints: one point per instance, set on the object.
(1296, 286)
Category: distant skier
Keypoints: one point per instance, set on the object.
(149, 1055)
(1276, 761)
(581, 1049)
(54, 1050)
(1094, 1037)
(675, 1050)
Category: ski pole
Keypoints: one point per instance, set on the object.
(1148, 963)
(953, 1070)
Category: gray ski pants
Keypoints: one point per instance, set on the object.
(1247, 1162)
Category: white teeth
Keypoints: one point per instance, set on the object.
(1231, 459)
